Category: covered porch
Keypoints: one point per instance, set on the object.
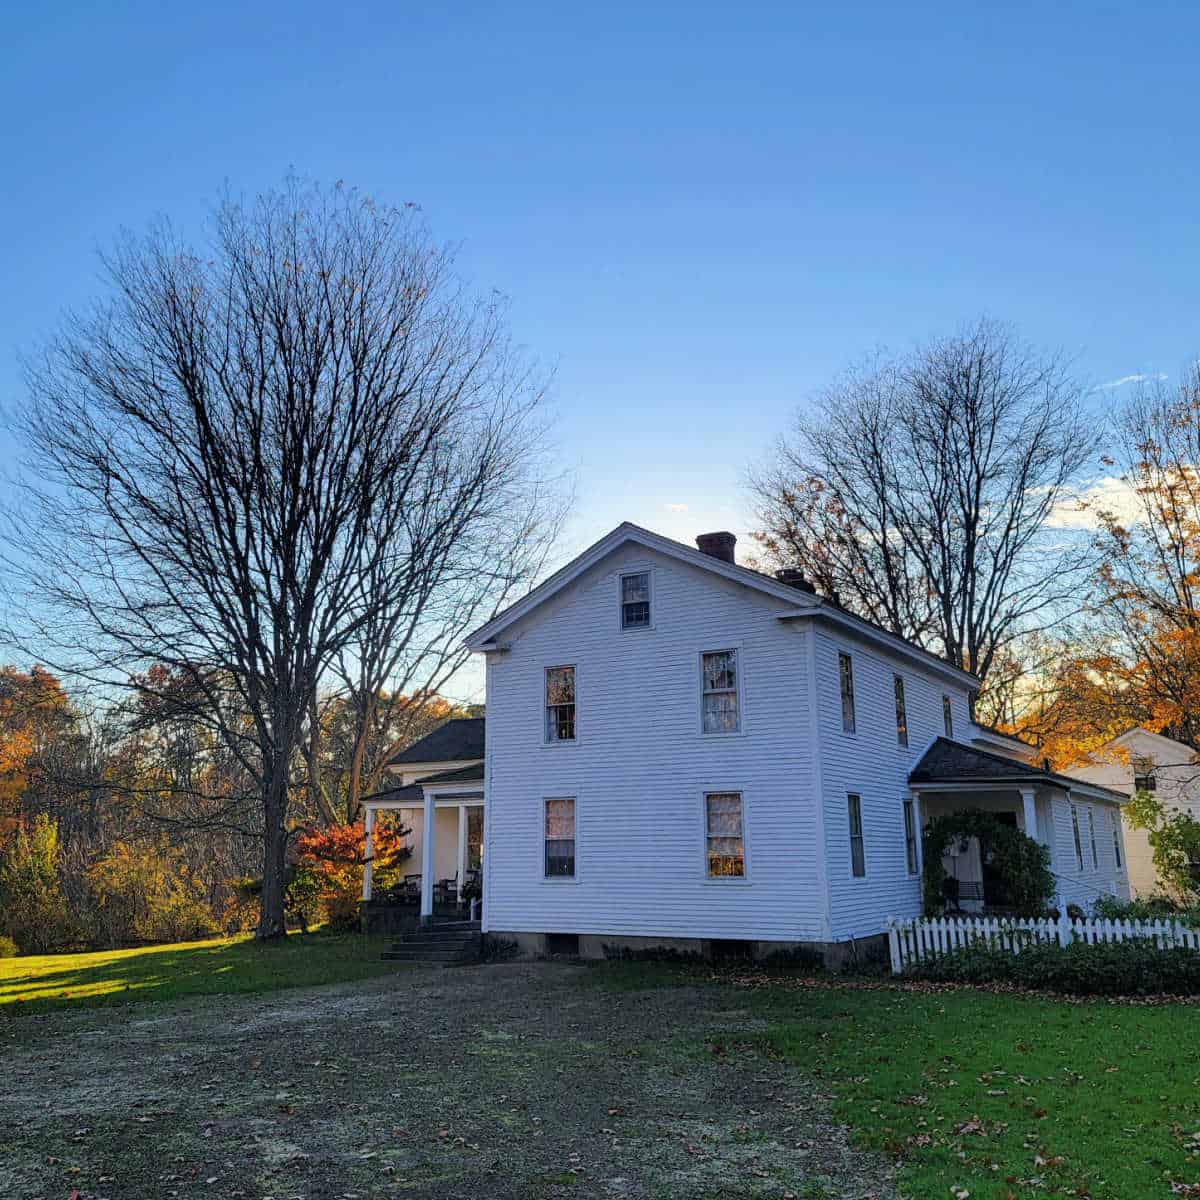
(445, 816)
(952, 778)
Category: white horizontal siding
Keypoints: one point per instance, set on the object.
(871, 763)
(1084, 887)
(641, 765)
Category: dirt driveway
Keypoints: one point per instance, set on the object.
(485, 1082)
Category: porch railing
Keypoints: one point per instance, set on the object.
(914, 941)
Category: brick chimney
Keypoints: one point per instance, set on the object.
(794, 577)
(717, 545)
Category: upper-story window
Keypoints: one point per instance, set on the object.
(635, 600)
(719, 691)
(947, 717)
(560, 704)
(846, 677)
(1144, 779)
(901, 714)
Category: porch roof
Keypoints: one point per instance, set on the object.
(471, 774)
(952, 762)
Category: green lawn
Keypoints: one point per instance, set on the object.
(216, 967)
(1001, 1096)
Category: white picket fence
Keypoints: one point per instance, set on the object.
(914, 941)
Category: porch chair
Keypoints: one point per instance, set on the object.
(412, 887)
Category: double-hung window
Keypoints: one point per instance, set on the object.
(1115, 818)
(719, 692)
(560, 704)
(846, 679)
(858, 856)
(1092, 835)
(1143, 776)
(560, 839)
(901, 714)
(947, 717)
(1075, 831)
(635, 600)
(910, 837)
(724, 836)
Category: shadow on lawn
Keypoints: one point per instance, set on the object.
(196, 969)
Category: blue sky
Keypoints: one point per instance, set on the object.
(701, 212)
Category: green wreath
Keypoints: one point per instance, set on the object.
(1023, 862)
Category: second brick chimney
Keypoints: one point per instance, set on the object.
(717, 545)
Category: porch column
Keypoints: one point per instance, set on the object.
(368, 852)
(427, 858)
(1031, 822)
(462, 848)
(918, 821)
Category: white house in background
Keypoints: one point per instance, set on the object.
(1141, 759)
(682, 751)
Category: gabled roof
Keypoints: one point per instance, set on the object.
(947, 761)
(797, 603)
(459, 739)
(1177, 747)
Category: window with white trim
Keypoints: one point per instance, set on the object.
(858, 850)
(910, 837)
(724, 835)
(559, 838)
(1075, 831)
(901, 713)
(947, 717)
(1115, 821)
(719, 702)
(1092, 835)
(635, 600)
(846, 684)
(560, 704)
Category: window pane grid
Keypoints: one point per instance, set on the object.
(560, 838)
(720, 707)
(635, 600)
(901, 714)
(1116, 832)
(560, 704)
(1078, 843)
(846, 677)
(724, 843)
(1092, 836)
(910, 837)
(858, 859)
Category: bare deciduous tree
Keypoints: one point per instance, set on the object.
(257, 456)
(919, 491)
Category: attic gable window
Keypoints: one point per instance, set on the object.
(901, 715)
(1144, 779)
(947, 717)
(560, 704)
(846, 680)
(635, 600)
(719, 692)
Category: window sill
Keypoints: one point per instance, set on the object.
(561, 742)
(734, 733)
(732, 882)
(559, 882)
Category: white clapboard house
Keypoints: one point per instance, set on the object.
(682, 751)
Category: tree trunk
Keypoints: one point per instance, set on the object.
(271, 923)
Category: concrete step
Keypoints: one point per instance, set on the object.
(433, 957)
(431, 939)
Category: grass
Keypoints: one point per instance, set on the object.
(999, 1096)
(220, 966)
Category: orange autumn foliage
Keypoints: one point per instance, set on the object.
(336, 856)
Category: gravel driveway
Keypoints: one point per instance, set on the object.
(512, 1080)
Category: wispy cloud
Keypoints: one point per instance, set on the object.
(1116, 383)
(680, 508)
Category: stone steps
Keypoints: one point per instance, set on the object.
(445, 942)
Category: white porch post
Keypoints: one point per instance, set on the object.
(919, 818)
(1031, 822)
(462, 848)
(368, 852)
(427, 858)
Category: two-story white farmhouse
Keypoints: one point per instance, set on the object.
(682, 751)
